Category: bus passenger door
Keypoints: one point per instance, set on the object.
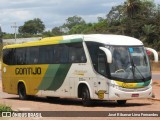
(103, 70)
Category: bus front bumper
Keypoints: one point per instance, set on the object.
(126, 94)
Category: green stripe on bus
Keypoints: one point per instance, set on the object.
(50, 73)
(54, 77)
(142, 84)
(147, 83)
(60, 76)
(71, 41)
(76, 40)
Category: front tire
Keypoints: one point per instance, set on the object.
(22, 92)
(86, 97)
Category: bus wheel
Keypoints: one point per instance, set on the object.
(22, 92)
(121, 102)
(86, 97)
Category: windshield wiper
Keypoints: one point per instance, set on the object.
(143, 78)
(134, 66)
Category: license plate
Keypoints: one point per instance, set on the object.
(135, 95)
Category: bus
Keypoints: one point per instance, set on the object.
(87, 67)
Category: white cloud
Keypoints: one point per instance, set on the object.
(52, 12)
(22, 15)
(111, 4)
(157, 1)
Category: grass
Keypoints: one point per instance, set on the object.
(4, 108)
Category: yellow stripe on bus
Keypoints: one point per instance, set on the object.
(127, 85)
(45, 41)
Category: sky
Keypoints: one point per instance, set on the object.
(53, 13)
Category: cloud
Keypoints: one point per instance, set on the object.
(157, 1)
(52, 12)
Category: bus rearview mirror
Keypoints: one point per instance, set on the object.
(108, 54)
(154, 53)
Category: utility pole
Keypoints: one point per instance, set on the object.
(15, 28)
(1, 34)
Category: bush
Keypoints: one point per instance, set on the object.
(5, 108)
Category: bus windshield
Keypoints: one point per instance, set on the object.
(129, 64)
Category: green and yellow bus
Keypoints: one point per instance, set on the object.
(89, 67)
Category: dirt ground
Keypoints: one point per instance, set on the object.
(43, 104)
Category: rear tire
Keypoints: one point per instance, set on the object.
(86, 97)
(121, 102)
(22, 92)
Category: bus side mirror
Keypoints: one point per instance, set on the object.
(154, 53)
(108, 54)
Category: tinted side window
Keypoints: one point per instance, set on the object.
(102, 63)
(64, 58)
(20, 56)
(57, 53)
(32, 55)
(76, 53)
(7, 56)
(53, 54)
(93, 50)
(48, 54)
(99, 59)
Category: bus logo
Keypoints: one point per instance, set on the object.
(28, 71)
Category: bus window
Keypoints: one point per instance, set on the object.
(20, 56)
(8, 56)
(72, 56)
(102, 63)
(57, 53)
(93, 50)
(42, 54)
(76, 53)
(46, 54)
(32, 55)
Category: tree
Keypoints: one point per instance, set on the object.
(115, 14)
(115, 19)
(100, 27)
(132, 7)
(57, 31)
(34, 26)
(73, 21)
(47, 34)
(148, 29)
(132, 20)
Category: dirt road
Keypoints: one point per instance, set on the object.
(43, 104)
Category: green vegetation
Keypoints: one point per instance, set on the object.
(32, 27)
(5, 108)
(135, 18)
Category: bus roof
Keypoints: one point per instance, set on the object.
(108, 39)
(100, 38)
